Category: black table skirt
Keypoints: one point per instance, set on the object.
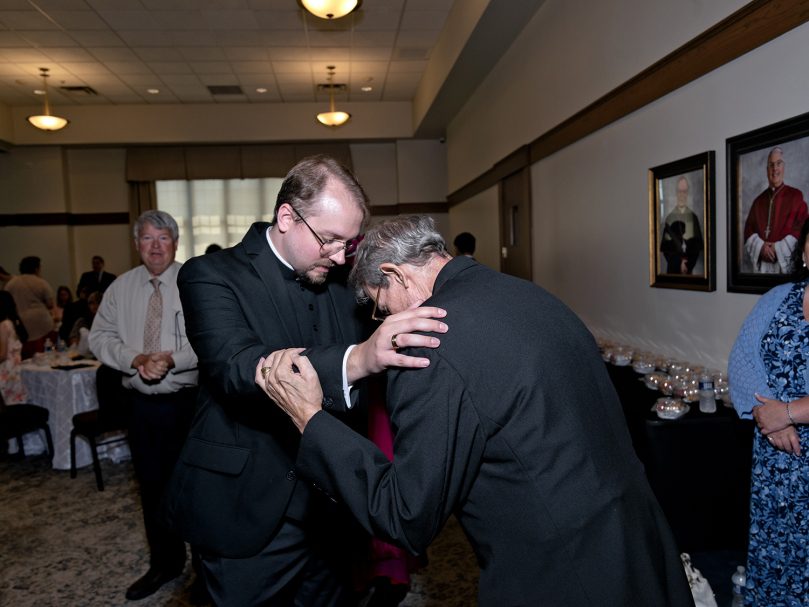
(698, 466)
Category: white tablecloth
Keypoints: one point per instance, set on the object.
(65, 393)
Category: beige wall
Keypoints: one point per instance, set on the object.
(590, 201)
(479, 215)
(55, 179)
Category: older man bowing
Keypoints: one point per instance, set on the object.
(514, 427)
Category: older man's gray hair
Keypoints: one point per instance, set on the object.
(412, 240)
(160, 220)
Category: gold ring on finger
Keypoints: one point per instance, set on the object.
(264, 371)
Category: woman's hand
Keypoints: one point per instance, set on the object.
(771, 415)
(786, 440)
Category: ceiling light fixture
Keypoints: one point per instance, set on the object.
(47, 121)
(330, 9)
(332, 118)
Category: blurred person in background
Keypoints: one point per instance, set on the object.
(96, 279)
(33, 297)
(64, 297)
(12, 336)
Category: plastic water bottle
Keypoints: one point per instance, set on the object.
(707, 397)
(48, 346)
(739, 579)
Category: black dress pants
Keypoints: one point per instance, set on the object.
(157, 430)
(294, 570)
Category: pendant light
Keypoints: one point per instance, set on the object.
(330, 9)
(47, 121)
(333, 117)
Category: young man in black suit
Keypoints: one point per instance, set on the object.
(262, 533)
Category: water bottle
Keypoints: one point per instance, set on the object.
(48, 346)
(739, 580)
(707, 397)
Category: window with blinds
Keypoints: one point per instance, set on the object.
(215, 211)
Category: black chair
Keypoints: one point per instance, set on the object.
(16, 420)
(111, 417)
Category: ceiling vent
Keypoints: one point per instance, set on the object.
(229, 89)
(83, 91)
(332, 88)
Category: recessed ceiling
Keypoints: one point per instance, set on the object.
(186, 48)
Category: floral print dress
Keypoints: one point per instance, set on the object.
(11, 386)
(778, 551)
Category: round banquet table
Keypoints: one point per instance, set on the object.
(64, 392)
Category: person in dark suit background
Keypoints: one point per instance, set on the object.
(465, 244)
(96, 279)
(514, 426)
(263, 535)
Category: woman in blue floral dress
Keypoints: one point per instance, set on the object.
(768, 380)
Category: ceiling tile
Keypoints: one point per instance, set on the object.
(237, 38)
(98, 38)
(230, 20)
(252, 67)
(141, 81)
(292, 67)
(180, 79)
(144, 38)
(26, 20)
(289, 54)
(69, 54)
(407, 66)
(219, 79)
(159, 54)
(81, 69)
(280, 20)
(115, 5)
(128, 67)
(266, 81)
(370, 54)
(330, 54)
(270, 5)
(284, 39)
(169, 67)
(180, 20)
(377, 20)
(247, 53)
(113, 54)
(45, 39)
(374, 38)
(210, 67)
(21, 55)
(330, 38)
(425, 39)
(79, 20)
(11, 39)
(135, 20)
(284, 79)
(198, 90)
(51, 6)
(423, 20)
(192, 39)
(202, 53)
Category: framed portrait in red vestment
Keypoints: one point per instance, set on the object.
(768, 185)
(682, 253)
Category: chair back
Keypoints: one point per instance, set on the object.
(114, 405)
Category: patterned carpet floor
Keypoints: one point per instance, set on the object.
(63, 543)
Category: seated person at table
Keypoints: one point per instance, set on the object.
(514, 427)
(63, 299)
(80, 332)
(12, 335)
(73, 311)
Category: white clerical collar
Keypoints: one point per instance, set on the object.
(275, 251)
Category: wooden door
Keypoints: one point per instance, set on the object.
(515, 224)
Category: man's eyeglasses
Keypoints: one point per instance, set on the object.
(382, 315)
(332, 246)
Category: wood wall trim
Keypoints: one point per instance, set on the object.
(63, 219)
(409, 208)
(751, 26)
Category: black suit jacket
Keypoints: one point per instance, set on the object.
(516, 428)
(92, 282)
(236, 474)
